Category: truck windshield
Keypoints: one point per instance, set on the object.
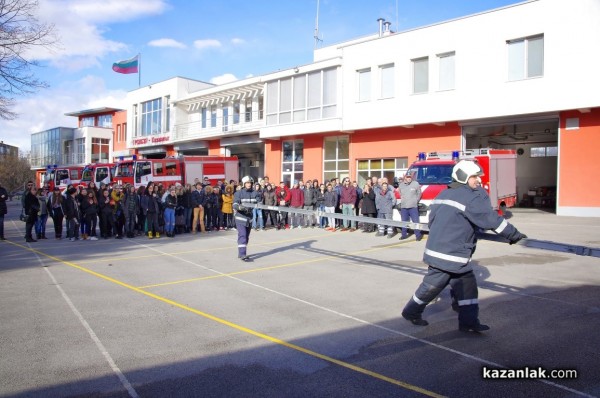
(427, 174)
(86, 175)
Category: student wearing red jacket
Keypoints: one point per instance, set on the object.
(282, 193)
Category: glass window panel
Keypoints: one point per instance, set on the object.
(329, 111)
(287, 166)
(389, 164)
(299, 116)
(363, 165)
(343, 149)
(285, 117)
(330, 86)
(272, 97)
(299, 150)
(535, 57)
(538, 152)
(300, 92)
(387, 81)
(364, 85)
(401, 163)
(329, 165)
(516, 60)
(314, 113)
(344, 165)
(328, 175)
(314, 90)
(446, 77)
(330, 149)
(285, 95)
(421, 75)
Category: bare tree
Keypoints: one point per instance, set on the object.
(15, 171)
(20, 31)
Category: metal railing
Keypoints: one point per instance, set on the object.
(215, 127)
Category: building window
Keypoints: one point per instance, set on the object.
(236, 112)
(308, 96)
(124, 132)
(151, 117)
(204, 117)
(336, 157)
(100, 150)
(285, 100)
(79, 151)
(543, 151)
(329, 93)
(525, 58)
(136, 130)
(292, 161)
(364, 84)
(88, 121)
(388, 168)
(446, 72)
(420, 68)
(300, 98)
(248, 110)
(119, 138)
(386, 73)
(225, 126)
(314, 96)
(167, 113)
(213, 116)
(105, 121)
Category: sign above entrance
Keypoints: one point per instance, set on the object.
(151, 140)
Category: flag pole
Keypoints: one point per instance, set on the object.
(139, 70)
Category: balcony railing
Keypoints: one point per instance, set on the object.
(214, 127)
(73, 158)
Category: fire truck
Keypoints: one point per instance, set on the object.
(433, 171)
(99, 173)
(183, 170)
(61, 176)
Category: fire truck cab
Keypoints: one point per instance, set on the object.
(99, 173)
(433, 171)
(62, 176)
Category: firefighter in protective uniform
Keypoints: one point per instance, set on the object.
(243, 202)
(456, 214)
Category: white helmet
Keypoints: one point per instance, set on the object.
(247, 179)
(465, 169)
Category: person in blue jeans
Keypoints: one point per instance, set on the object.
(410, 194)
(257, 214)
(170, 205)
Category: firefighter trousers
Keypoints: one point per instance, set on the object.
(464, 291)
(243, 226)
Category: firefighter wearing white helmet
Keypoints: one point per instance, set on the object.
(456, 214)
(243, 202)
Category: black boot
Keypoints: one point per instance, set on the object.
(412, 312)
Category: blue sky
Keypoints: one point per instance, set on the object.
(213, 41)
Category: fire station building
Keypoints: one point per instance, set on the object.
(522, 77)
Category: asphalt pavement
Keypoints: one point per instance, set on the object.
(315, 314)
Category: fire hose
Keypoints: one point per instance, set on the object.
(578, 250)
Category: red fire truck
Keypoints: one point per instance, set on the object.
(433, 171)
(183, 170)
(61, 176)
(99, 173)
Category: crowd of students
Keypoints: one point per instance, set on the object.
(91, 212)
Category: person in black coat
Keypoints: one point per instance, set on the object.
(368, 208)
(32, 206)
(3, 210)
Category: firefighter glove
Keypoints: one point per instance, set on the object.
(517, 238)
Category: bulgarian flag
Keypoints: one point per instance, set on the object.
(127, 66)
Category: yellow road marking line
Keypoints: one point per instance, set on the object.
(241, 328)
(308, 261)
